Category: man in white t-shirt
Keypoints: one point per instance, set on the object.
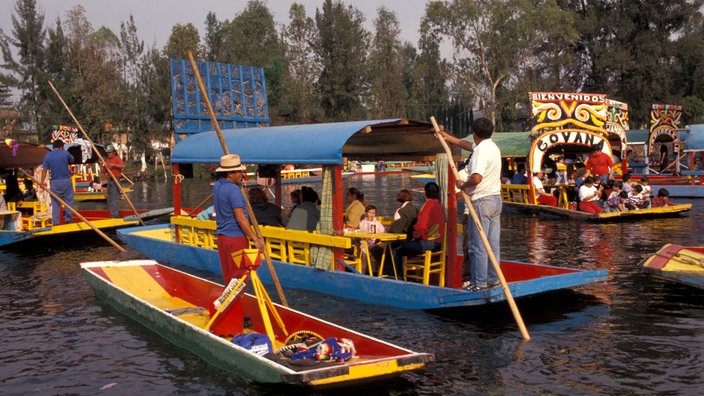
(484, 189)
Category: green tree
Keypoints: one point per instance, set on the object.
(688, 68)
(626, 49)
(251, 39)
(385, 68)
(183, 38)
(426, 76)
(341, 48)
(92, 63)
(213, 45)
(300, 101)
(493, 42)
(25, 73)
(51, 112)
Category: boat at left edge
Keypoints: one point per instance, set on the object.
(180, 307)
(31, 220)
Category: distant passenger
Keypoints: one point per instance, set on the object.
(520, 176)
(588, 197)
(265, 212)
(662, 199)
(543, 196)
(306, 215)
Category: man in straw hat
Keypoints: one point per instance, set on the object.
(233, 227)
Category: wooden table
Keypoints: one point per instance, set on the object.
(383, 237)
(562, 201)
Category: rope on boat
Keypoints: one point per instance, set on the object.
(687, 259)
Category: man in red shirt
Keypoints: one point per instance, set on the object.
(115, 165)
(600, 164)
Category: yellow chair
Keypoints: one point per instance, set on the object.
(360, 255)
(298, 252)
(419, 268)
(39, 217)
(277, 248)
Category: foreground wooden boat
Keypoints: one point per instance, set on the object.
(197, 252)
(683, 264)
(178, 307)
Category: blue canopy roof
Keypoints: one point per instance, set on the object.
(315, 144)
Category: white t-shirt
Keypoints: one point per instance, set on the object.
(462, 176)
(585, 191)
(485, 161)
(537, 183)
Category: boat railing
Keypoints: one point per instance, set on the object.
(297, 173)
(516, 193)
(291, 246)
(520, 193)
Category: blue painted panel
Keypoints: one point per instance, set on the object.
(236, 93)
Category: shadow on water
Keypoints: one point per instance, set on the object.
(534, 310)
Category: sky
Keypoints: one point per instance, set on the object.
(155, 18)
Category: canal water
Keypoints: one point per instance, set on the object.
(633, 334)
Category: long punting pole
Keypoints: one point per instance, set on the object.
(252, 217)
(485, 241)
(102, 160)
(74, 211)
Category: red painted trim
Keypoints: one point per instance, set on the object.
(453, 275)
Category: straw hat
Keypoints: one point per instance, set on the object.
(230, 163)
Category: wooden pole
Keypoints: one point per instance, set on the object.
(102, 160)
(75, 212)
(201, 204)
(482, 235)
(252, 217)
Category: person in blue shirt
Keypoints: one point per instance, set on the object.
(233, 227)
(520, 176)
(61, 185)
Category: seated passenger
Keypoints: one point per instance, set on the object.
(589, 196)
(266, 212)
(405, 219)
(354, 212)
(543, 196)
(613, 202)
(30, 193)
(370, 224)
(662, 199)
(306, 215)
(647, 190)
(636, 200)
(627, 186)
(520, 176)
(429, 230)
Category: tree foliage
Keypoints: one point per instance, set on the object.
(25, 72)
(385, 68)
(300, 101)
(341, 49)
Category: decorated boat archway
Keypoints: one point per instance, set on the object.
(664, 135)
(570, 125)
